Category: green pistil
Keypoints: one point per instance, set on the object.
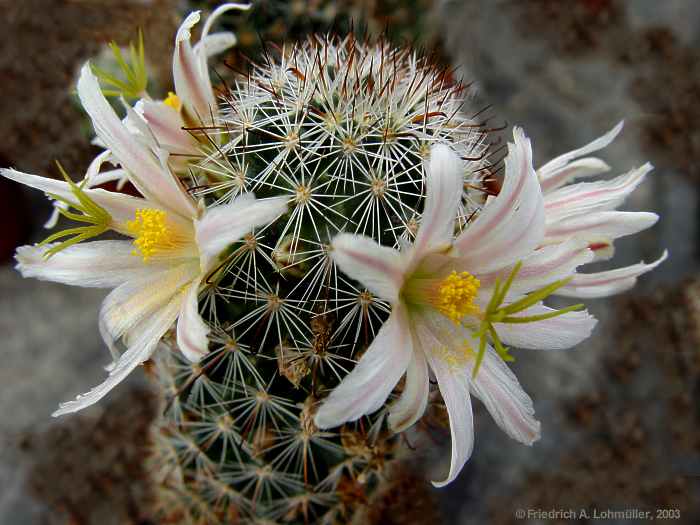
(92, 214)
(495, 313)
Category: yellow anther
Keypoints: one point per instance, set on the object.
(456, 294)
(150, 231)
(173, 101)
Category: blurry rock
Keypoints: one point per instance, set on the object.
(89, 468)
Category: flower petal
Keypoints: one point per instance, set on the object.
(96, 264)
(222, 225)
(214, 44)
(379, 268)
(141, 349)
(589, 197)
(443, 194)
(454, 387)
(190, 71)
(120, 206)
(120, 176)
(607, 225)
(411, 405)
(512, 224)
(167, 126)
(96, 166)
(223, 8)
(192, 331)
(552, 174)
(94, 177)
(149, 176)
(137, 125)
(546, 265)
(443, 344)
(52, 221)
(367, 387)
(578, 169)
(190, 75)
(509, 405)
(611, 282)
(557, 333)
(130, 303)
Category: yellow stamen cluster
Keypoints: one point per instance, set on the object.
(173, 101)
(456, 294)
(150, 231)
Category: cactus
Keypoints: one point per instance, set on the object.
(342, 128)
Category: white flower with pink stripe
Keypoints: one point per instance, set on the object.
(173, 246)
(586, 211)
(457, 301)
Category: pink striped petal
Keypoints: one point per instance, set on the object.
(600, 229)
(512, 224)
(137, 299)
(611, 282)
(367, 387)
(224, 224)
(190, 70)
(190, 75)
(444, 181)
(589, 197)
(411, 405)
(167, 126)
(509, 405)
(140, 350)
(544, 266)
(214, 44)
(96, 264)
(551, 174)
(380, 269)
(146, 172)
(557, 333)
(223, 8)
(94, 176)
(608, 225)
(120, 206)
(119, 176)
(577, 169)
(96, 166)
(454, 387)
(192, 331)
(442, 343)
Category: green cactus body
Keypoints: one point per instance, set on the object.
(342, 128)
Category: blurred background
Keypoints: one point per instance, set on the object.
(620, 413)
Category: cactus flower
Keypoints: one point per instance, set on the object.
(158, 274)
(446, 295)
(586, 210)
(193, 103)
